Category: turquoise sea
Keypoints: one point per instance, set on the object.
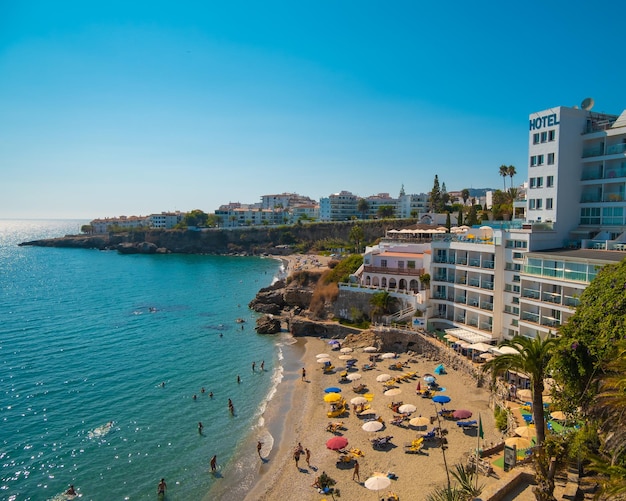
(88, 337)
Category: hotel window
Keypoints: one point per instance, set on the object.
(549, 181)
(613, 215)
(550, 158)
(531, 204)
(551, 135)
(539, 159)
(533, 160)
(539, 204)
(539, 182)
(549, 204)
(544, 137)
(383, 263)
(590, 215)
(536, 138)
(533, 182)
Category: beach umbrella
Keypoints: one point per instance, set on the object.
(525, 394)
(388, 355)
(332, 397)
(419, 422)
(407, 408)
(429, 379)
(346, 350)
(483, 347)
(370, 349)
(558, 416)
(322, 355)
(461, 414)
(519, 442)
(381, 378)
(377, 483)
(358, 400)
(525, 431)
(332, 389)
(345, 357)
(372, 426)
(393, 392)
(441, 399)
(419, 386)
(323, 360)
(507, 350)
(486, 356)
(336, 443)
(354, 376)
(366, 412)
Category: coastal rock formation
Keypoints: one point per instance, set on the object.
(140, 248)
(300, 326)
(268, 324)
(269, 300)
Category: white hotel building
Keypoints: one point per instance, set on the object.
(527, 277)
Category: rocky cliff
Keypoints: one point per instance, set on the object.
(257, 240)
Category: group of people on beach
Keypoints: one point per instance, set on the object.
(300, 451)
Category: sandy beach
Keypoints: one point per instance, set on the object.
(415, 475)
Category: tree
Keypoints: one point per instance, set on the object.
(435, 196)
(588, 340)
(459, 218)
(195, 218)
(425, 280)
(448, 222)
(532, 358)
(472, 217)
(511, 172)
(363, 206)
(385, 211)
(86, 228)
(504, 172)
(356, 237)
(380, 302)
(465, 194)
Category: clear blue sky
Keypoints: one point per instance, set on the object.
(133, 107)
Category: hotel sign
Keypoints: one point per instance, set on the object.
(546, 121)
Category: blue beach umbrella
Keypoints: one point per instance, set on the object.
(441, 399)
(332, 389)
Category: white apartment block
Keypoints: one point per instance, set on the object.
(165, 220)
(123, 222)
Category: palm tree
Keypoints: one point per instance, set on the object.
(465, 194)
(504, 172)
(532, 358)
(363, 207)
(511, 172)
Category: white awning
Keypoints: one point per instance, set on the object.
(469, 336)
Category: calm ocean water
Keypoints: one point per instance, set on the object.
(87, 337)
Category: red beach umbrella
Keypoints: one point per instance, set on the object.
(419, 386)
(336, 443)
(461, 414)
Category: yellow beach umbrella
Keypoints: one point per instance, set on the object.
(332, 397)
(519, 442)
(525, 431)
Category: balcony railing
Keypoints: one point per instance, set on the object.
(571, 301)
(530, 293)
(393, 271)
(614, 173)
(487, 285)
(551, 297)
(613, 197)
(488, 264)
(550, 322)
(586, 199)
(486, 326)
(462, 261)
(616, 149)
(440, 278)
(475, 262)
(530, 317)
(486, 306)
(593, 152)
(474, 282)
(460, 299)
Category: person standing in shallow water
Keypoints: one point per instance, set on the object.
(214, 463)
(162, 487)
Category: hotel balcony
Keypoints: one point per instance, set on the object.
(593, 152)
(393, 271)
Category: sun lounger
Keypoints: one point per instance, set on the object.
(467, 424)
(356, 452)
(381, 442)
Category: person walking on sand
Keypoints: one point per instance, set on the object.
(355, 473)
(296, 457)
(214, 463)
(303, 374)
(259, 445)
(308, 457)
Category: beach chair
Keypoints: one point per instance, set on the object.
(466, 424)
(398, 420)
(368, 367)
(414, 447)
(344, 459)
(343, 377)
(430, 435)
(328, 367)
(356, 452)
